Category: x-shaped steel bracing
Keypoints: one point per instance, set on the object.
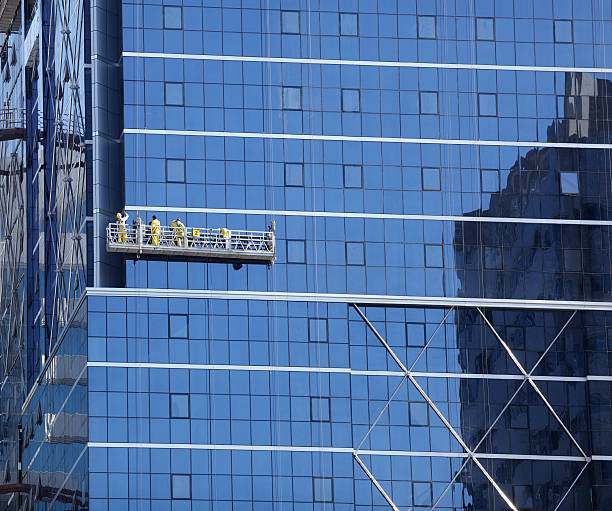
(471, 453)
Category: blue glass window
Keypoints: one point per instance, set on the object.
(569, 183)
(179, 406)
(493, 258)
(563, 31)
(351, 100)
(354, 253)
(349, 24)
(572, 259)
(291, 22)
(181, 486)
(317, 330)
(323, 489)
(173, 17)
(319, 409)
(433, 256)
(487, 104)
(294, 174)
(175, 171)
(427, 27)
(353, 176)
(490, 181)
(484, 29)
(431, 179)
(174, 93)
(292, 98)
(178, 326)
(429, 102)
(296, 252)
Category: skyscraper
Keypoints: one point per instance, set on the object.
(379, 274)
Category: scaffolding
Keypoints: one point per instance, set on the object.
(12, 122)
(192, 243)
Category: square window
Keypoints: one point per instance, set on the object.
(351, 100)
(322, 489)
(296, 251)
(174, 93)
(317, 330)
(487, 104)
(431, 179)
(353, 175)
(173, 17)
(572, 259)
(427, 27)
(355, 253)
(490, 181)
(178, 326)
(433, 256)
(569, 183)
(319, 409)
(291, 22)
(181, 486)
(175, 171)
(294, 174)
(493, 258)
(179, 406)
(563, 31)
(349, 23)
(484, 29)
(292, 98)
(429, 102)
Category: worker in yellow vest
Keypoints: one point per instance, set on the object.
(155, 230)
(121, 226)
(178, 229)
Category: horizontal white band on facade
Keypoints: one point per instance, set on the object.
(342, 370)
(364, 63)
(347, 138)
(375, 216)
(372, 300)
(342, 450)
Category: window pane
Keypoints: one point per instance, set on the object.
(179, 405)
(352, 176)
(354, 253)
(294, 174)
(350, 100)
(348, 24)
(431, 179)
(322, 489)
(174, 93)
(484, 28)
(291, 22)
(487, 104)
(175, 170)
(178, 326)
(429, 102)
(490, 181)
(292, 98)
(317, 330)
(427, 27)
(433, 256)
(173, 17)
(319, 409)
(295, 251)
(569, 182)
(563, 31)
(181, 487)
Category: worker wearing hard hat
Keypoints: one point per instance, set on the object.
(155, 230)
(121, 226)
(178, 229)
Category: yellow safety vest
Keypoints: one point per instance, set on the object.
(155, 226)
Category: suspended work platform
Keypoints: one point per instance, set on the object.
(192, 243)
(12, 122)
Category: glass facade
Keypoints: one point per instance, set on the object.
(434, 332)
